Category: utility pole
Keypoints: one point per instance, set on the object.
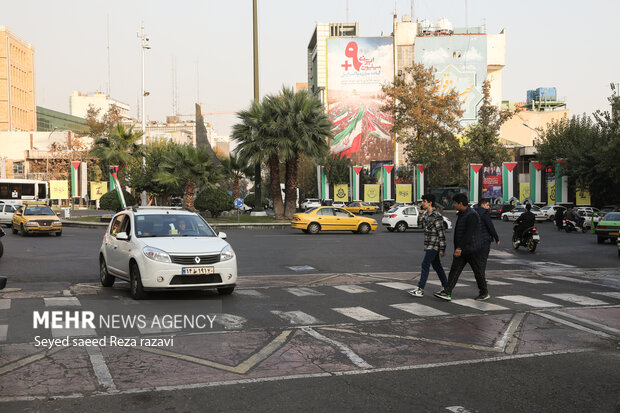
(258, 195)
(143, 47)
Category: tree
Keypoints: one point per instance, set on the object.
(482, 138)
(306, 177)
(338, 169)
(235, 170)
(99, 127)
(189, 168)
(215, 200)
(109, 200)
(119, 148)
(140, 177)
(426, 120)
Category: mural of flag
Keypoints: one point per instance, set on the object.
(387, 182)
(322, 181)
(74, 178)
(384, 121)
(349, 140)
(341, 117)
(370, 111)
(419, 181)
(561, 183)
(508, 190)
(355, 182)
(535, 182)
(474, 181)
(374, 131)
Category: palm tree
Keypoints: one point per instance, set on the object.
(257, 141)
(303, 128)
(189, 169)
(119, 148)
(236, 170)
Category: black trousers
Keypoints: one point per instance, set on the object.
(458, 264)
(484, 256)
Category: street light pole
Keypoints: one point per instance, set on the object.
(143, 46)
(258, 196)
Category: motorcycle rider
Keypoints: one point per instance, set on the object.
(526, 220)
(579, 219)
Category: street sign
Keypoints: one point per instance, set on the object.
(238, 203)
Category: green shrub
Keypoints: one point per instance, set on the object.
(110, 201)
(249, 201)
(215, 201)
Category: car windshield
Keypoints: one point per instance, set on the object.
(612, 216)
(38, 210)
(172, 225)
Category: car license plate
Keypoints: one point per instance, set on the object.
(613, 234)
(197, 270)
(536, 237)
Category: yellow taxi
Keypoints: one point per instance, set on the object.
(35, 217)
(361, 208)
(327, 218)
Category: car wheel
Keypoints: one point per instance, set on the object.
(600, 240)
(135, 282)
(305, 231)
(1, 249)
(505, 218)
(364, 228)
(104, 276)
(401, 226)
(59, 233)
(314, 228)
(23, 230)
(226, 290)
(390, 229)
(13, 230)
(613, 240)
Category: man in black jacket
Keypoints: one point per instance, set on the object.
(488, 231)
(526, 220)
(467, 247)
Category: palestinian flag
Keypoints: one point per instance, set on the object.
(349, 140)
(508, 180)
(117, 186)
(74, 178)
(355, 182)
(474, 181)
(375, 131)
(535, 182)
(419, 181)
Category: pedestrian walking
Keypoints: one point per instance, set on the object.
(434, 244)
(488, 231)
(559, 218)
(467, 247)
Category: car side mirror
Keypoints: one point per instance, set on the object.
(122, 236)
(222, 235)
(58, 213)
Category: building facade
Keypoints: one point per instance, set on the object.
(80, 102)
(49, 120)
(17, 83)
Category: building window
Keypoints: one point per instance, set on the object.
(18, 168)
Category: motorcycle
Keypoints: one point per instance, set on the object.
(571, 225)
(2, 234)
(529, 239)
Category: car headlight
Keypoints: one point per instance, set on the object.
(156, 254)
(31, 224)
(227, 253)
(56, 223)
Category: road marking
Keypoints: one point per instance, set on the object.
(303, 291)
(533, 302)
(563, 278)
(61, 301)
(495, 282)
(577, 299)
(296, 317)
(302, 268)
(5, 303)
(479, 305)
(458, 409)
(7, 368)
(230, 321)
(574, 325)
(250, 293)
(434, 282)
(126, 300)
(419, 309)
(73, 332)
(67, 293)
(589, 322)
(610, 294)
(346, 350)
(156, 329)
(353, 289)
(397, 285)
(529, 280)
(100, 368)
(509, 334)
(4, 329)
(360, 314)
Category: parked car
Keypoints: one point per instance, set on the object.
(361, 208)
(497, 210)
(550, 210)
(35, 217)
(618, 244)
(514, 213)
(401, 218)
(310, 203)
(589, 216)
(329, 218)
(608, 228)
(165, 248)
(339, 204)
(6, 214)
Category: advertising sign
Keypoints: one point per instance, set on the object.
(524, 192)
(341, 192)
(583, 197)
(492, 182)
(403, 193)
(371, 192)
(97, 189)
(59, 189)
(356, 69)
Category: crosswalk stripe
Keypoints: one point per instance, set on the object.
(296, 317)
(303, 291)
(360, 314)
(495, 282)
(577, 299)
(73, 332)
(250, 293)
(529, 280)
(397, 285)
(611, 294)
(434, 282)
(5, 303)
(479, 305)
(563, 278)
(4, 328)
(230, 321)
(353, 289)
(61, 301)
(533, 302)
(419, 309)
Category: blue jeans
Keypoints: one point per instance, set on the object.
(431, 257)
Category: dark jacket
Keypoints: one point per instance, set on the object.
(487, 227)
(467, 232)
(526, 220)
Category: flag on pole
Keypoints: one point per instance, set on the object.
(419, 181)
(74, 178)
(117, 186)
(561, 183)
(535, 182)
(355, 182)
(387, 182)
(113, 170)
(322, 181)
(474, 181)
(508, 190)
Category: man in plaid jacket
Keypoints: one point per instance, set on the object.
(434, 245)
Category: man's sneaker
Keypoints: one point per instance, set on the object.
(483, 297)
(443, 295)
(416, 292)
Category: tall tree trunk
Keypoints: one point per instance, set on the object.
(189, 195)
(290, 189)
(274, 186)
(235, 191)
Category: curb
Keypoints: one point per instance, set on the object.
(261, 225)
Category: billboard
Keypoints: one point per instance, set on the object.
(357, 67)
(492, 182)
(59, 189)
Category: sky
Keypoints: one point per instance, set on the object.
(570, 45)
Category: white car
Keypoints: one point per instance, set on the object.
(6, 213)
(401, 218)
(159, 248)
(310, 203)
(549, 211)
(516, 212)
(339, 204)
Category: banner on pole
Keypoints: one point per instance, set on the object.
(74, 178)
(403, 193)
(371, 192)
(355, 182)
(419, 181)
(59, 189)
(341, 192)
(387, 182)
(535, 182)
(474, 181)
(508, 190)
(97, 189)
